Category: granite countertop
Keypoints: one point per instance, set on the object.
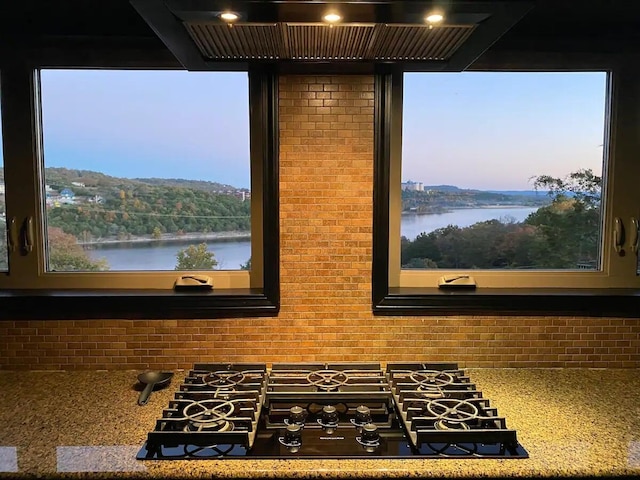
(88, 424)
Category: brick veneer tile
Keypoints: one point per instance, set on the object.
(326, 178)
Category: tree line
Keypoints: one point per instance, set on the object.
(565, 234)
(145, 209)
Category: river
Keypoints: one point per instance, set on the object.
(231, 254)
(413, 225)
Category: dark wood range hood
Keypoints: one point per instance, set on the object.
(293, 32)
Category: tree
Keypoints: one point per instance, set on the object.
(246, 266)
(3, 247)
(569, 228)
(65, 255)
(196, 257)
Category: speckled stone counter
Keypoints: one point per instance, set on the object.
(88, 424)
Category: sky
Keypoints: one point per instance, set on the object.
(491, 131)
(133, 123)
(494, 131)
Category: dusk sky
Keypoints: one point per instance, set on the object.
(170, 124)
(494, 131)
(473, 130)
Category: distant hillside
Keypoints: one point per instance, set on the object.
(443, 188)
(212, 187)
(64, 177)
(443, 198)
(525, 193)
(96, 207)
(453, 188)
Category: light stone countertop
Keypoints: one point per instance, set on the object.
(573, 422)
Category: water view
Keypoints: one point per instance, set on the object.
(231, 254)
(413, 225)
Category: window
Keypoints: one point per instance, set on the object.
(133, 178)
(146, 170)
(516, 179)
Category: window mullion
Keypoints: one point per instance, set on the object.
(21, 146)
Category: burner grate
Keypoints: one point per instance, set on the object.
(330, 410)
(217, 405)
(341, 381)
(438, 404)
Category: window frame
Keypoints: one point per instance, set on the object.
(45, 295)
(618, 297)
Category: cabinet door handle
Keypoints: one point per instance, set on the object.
(27, 243)
(633, 241)
(12, 238)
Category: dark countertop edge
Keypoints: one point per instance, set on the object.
(591, 302)
(51, 304)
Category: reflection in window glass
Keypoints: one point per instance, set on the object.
(502, 170)
(146, 170)
(4, 253)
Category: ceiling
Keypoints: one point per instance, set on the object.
(594, 26)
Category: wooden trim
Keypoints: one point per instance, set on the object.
(381, 173)
(151, 304)
(133, 304)
(511, 301)
(270, 185)
(488, 301)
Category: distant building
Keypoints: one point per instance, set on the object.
(413, 186)
(67, 196)
(243, 195)
(77, 184)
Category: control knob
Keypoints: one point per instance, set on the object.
(292, 437)
(329, 418)
(297, 415)
(363, 415)
(369, 438)
(370, 433)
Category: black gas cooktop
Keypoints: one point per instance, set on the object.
(329, 410)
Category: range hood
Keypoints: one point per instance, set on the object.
(291, 32)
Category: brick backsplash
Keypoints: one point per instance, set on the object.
(326, 178)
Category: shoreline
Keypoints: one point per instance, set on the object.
(168, 238)
(478, 207)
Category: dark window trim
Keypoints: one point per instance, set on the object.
(489, 301)
(152, 304)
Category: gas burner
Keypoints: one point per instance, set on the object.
(223, 380)
(447, 425)
(430, 394)
(444, 414)
(213, 415)
(329, 410)
(328, 380)
(451, 410)
(430, 380)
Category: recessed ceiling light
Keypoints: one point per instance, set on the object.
(332, 17)
(229, 16)
(434, 18)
